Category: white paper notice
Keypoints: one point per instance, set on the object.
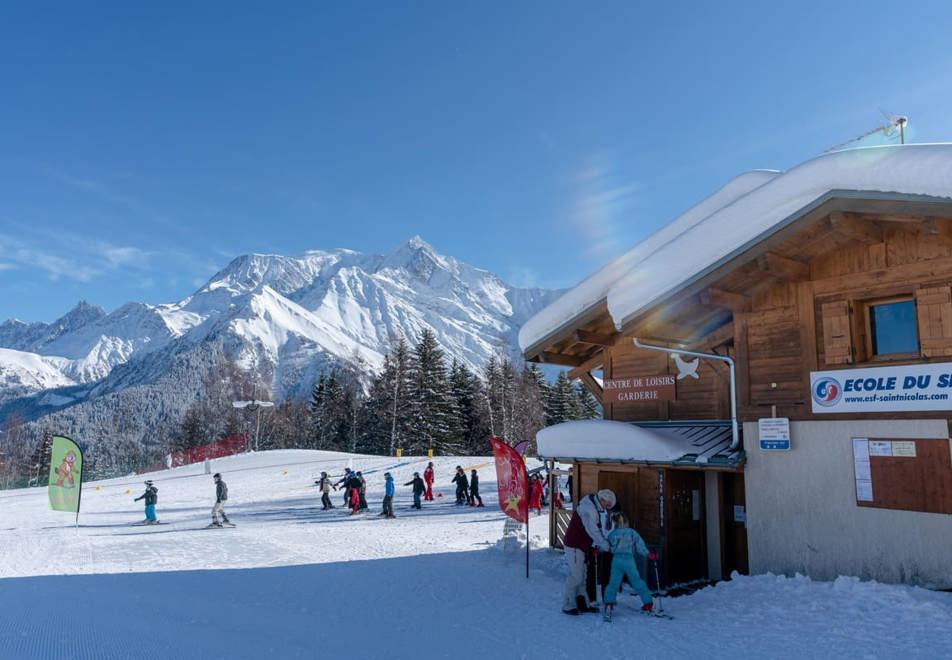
(860, 449)
(864, 490)
(905, 448)
(863, 471)
(864, 477)
(880, 448)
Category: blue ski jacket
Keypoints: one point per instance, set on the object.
(388, 487)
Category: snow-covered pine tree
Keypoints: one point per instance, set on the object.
(561, 404)
(466, 390)
(433, 408)
(585, 406)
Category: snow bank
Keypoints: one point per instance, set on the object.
(292, 581)
(608, 440)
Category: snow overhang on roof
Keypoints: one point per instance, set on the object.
(700, 444)
(732, 221)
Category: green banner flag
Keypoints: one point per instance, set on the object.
(66, 475)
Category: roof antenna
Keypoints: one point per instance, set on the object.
(895, 125)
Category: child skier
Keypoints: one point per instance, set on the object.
(624, 542)
(418, 489)
(388, 496)
(221, 496)
(462, 486)
(474, 489)
(324, 484)
(345, 480)
(535, 493)
(362, 491)
(428, 479)
(151, 496)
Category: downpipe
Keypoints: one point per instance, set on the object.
(735, 432)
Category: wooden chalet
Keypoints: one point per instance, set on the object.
(829, 287)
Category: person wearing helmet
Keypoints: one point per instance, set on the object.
(324, 484)
(418, 489)
(428, 480)
(474, 489)
(151, 496)
(388, 496)
(462, 486)
(346, 482)
(221, 496)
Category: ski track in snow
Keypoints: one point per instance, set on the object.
(292, 581)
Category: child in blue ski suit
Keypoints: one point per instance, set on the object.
(151, 496)
(388, 496)
(624, 542)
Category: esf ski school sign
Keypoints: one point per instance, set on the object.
(883, 389)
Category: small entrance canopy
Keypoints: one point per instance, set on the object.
(698, 444)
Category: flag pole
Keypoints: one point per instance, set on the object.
(527, 543)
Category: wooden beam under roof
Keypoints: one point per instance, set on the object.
(736, 302)
(595, 338)
(783, 268)
(592, 386)
(720, 336)
(856, 227)
(558, 358)
(594, 362)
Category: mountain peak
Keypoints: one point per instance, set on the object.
(81, 314)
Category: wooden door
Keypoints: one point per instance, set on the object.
(686, 548)
(734, 524)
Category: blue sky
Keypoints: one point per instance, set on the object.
(143, 145)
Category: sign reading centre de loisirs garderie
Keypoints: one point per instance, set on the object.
(913, 387)
(639, 388)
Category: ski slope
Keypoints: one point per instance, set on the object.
(292, 581)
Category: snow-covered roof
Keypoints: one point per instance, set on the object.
(734, 219)
(608, 440)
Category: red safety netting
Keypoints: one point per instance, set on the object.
(233, 444)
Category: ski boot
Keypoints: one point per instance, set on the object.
(607, 614)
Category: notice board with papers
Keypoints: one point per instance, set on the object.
(905, 474)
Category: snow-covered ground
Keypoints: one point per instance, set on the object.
(292, 581)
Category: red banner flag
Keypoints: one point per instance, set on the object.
(512, 480)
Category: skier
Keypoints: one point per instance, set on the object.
(474, 489)
(418, 489)
(345, 481)
(624, 542)
(324, 484)
(151, 496)
(428, 478)
(353, 487)
(388, 496)
(585, 531)
(462, 486)
(221, 496)
(535, 493)
(362, 491)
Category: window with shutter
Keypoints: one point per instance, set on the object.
(837, 338)
(934, 314)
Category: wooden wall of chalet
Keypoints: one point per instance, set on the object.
(636, 488)
(703, 398)
(794, 327)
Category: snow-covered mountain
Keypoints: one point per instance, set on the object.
(295, 314)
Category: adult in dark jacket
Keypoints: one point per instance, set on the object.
(419, 487)
(151, 496)
(221, 496)
(345, 481)
(462, 486)
(474, 489)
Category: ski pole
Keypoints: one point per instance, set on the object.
(653, 558)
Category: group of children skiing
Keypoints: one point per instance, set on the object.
(354, 486)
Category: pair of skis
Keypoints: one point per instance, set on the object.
(656, 613)
(220, 525)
